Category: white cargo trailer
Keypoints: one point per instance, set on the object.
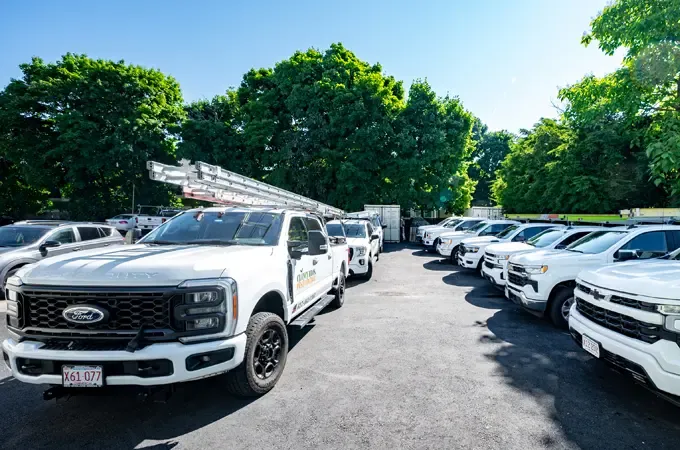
(390, 215)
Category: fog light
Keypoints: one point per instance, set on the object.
(202, 324)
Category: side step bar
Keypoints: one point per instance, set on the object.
(307, 316)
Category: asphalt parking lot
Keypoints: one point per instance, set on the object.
(424, 355)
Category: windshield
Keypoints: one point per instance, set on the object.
(14, 236)
(452, 223)
(335, 229)
(596, 242)
(545, 238)
(355, 230)
(505, 233)
(217, 228)
(445, 221)
(477, 227)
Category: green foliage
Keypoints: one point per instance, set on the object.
(645, 91)
(85, 128)
(490, 149)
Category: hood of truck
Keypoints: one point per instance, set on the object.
(562, 260)
(509, 248)
(140, 265)
(358, 242)
(656, 278)
(479, 241)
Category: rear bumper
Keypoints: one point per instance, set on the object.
(175, 352)
(644, 362)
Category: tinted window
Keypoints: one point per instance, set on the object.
(648, 245)
(355, 230)
(507, 231)
(473, 227)
(313, 224)
(215, 227)
(452, 224)
(572, 238)
(88, 233)
(673, 240)
(105, 232)
(297, 231)
(17, 236)
(65, 236)
(597, 241)
(545, 238)
(494, 229)
(533, 231)
(335, 229)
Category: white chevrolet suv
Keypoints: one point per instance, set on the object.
(471, 250)
(628, 315)
(449, 242)
(496, 255)
(543, 282)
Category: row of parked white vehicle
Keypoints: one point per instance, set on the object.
(616, 289)
(365, 241)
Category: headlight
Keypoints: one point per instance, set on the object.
(428, 235)
(668, 309)
(361, 251)
(210, 306)
(506, 257)
(535, 270)
(472, 249)
(447, 241)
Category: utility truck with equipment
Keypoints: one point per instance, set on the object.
(211, 291)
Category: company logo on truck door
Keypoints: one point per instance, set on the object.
(305, 279)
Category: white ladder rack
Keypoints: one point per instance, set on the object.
(211, 183)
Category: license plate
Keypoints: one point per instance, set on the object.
(591, 346)
(82, 376)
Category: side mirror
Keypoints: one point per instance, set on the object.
(297, 249)
(519, 239)
(384, 226)
(375, 236)
(48, 244)
(626, 255)
(317, 243)
(560, 247)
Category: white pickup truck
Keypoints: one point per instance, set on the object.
(150, 217)
(628, 315)
(431, 238)
(449, 242)
(471, 250)
(543, 282)
(364, 246)
(420, 231)
(210, 291)
(495, 268)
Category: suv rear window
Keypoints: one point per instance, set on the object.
(88, 233)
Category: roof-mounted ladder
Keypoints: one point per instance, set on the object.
(211, 183)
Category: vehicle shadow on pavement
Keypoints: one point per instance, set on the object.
(593, 406)
(439, 265)
(462, 277)
(116, 421)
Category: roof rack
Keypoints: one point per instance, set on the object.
(211, 183)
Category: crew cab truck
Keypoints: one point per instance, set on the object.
(364, 247)
(449, 243)
(420, 231)
(471, 250)
(543, 282)
(210, 291)
(628, 315)
(432, 239)
(496, 256)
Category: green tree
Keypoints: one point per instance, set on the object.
(85, 128)
(490, 149)
(645, 91)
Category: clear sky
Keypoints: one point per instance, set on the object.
(505, 59)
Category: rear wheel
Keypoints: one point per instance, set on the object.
(264, 358)
(560, 306)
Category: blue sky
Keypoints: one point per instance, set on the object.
(505, 59)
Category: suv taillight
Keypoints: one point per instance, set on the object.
(136, 219)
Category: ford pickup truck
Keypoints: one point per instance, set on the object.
(209, 292)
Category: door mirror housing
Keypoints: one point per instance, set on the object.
(48, 244)
(519, 239)
(375, 236)
(318, 245)
(560, 247)
(384, 226)
(297, 249)
(626, 255)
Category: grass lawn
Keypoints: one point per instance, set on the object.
(575, 217)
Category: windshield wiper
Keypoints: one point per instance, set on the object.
(212, 242)
(161, 242)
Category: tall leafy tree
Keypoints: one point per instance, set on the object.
(85, 129)
(645, 91)
(490, 149)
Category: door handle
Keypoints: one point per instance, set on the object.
(76, 249)
(315, 261)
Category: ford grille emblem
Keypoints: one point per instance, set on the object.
(85, 314)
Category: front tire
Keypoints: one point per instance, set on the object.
(559, 308)
(369, 273)
(264, 359)
(339, 291)
(454, 256)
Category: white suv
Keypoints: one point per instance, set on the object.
(496, 255)
(628, 315)
(471, 250)
(543, 282)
